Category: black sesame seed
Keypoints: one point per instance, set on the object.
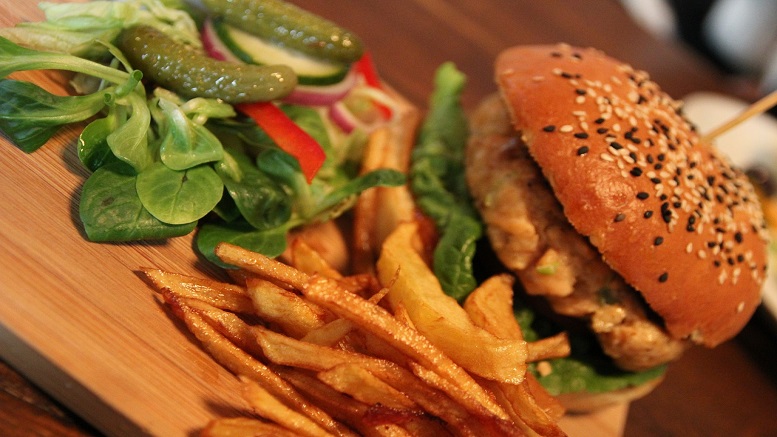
(738, 237)
(581, 135)
(580, 92)
(642, 195)
(620, 217)
(658, 166)
(658, 241)
(549, 128)
(601, 130)
(582, 150)
(647, 214)
(636, 171)
(599, 120)
(664, 277)
(616, 145)
(655, 180)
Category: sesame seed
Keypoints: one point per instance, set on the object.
(636, 171)
(549, 128)
(648, 214)
(658, 241)
(566, 128)
(642, 195)
(581, 135)
(582, 150)
(620, 217)
(664, 277)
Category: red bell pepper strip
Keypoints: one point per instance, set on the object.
(287, 135)
(366, 67)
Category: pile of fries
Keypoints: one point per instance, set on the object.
(375, 354)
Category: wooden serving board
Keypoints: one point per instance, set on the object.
(77, 319)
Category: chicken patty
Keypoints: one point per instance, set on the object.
(531, 236)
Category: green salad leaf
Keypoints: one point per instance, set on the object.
(587, 369)
(439, 186)
(162, 164)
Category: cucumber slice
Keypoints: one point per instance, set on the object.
(254, 50)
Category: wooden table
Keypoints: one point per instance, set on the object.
(731, 390)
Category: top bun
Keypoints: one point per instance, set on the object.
(667, 212)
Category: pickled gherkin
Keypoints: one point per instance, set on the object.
(289, 26)
(191, 73)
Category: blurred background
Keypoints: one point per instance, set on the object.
(738, 36)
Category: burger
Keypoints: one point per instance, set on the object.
(615, 216)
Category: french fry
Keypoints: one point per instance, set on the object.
(325, 354)
(380, 323)
(363, 386)
(261, 265)
(219, 294)
(326, 240)
(379, 210)
(284, 308)
(440, 318)
(555, 346)
(266, 405)
(329, 334)
(241, 363)
(304, 258)
(244, 426)
(356, 414)
(491, 307)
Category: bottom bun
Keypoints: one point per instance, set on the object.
(580, 403)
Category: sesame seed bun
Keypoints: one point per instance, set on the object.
(666, 212)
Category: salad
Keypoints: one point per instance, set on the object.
(198, 117)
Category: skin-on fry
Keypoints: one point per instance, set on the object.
(219, 294)
(383, 325)
(266, 405)
(439, 317)
(261, 265)
(244, 426)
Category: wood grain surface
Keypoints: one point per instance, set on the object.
(77, 322)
